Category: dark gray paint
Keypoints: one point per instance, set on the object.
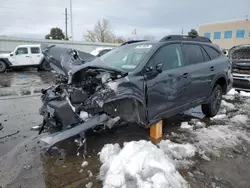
(143, 96)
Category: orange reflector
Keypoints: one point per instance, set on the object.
(156, 130)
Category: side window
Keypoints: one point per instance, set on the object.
(211, 52)
(21, 51)
(35, 50)
(206, 57)
(170, 56)
(193, 53)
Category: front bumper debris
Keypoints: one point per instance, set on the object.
(241, 82)
(52, 139)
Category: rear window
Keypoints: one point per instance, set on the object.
(205, 55)
(211, 52)
(35, 50)
(193, 53)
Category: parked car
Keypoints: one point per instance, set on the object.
(24, 56)
(100, 51)
(138, 83)
(240, 57)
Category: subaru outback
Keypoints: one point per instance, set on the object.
(141, 82)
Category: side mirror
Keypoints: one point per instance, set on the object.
(11, 54)
(159, 67)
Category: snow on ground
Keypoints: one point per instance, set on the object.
(227, 105)
(229, 129)
(142, 164)
(216, 137)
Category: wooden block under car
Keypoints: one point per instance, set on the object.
(156, 130)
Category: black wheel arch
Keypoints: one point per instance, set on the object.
(6, 61)
(222, 81)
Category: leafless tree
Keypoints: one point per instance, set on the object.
(120, 40)
(101, 32)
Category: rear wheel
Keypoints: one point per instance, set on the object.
(3, 66)
(212, 108)
(45, 66)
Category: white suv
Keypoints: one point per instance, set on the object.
(24, 56)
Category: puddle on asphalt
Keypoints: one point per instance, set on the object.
(24, 83)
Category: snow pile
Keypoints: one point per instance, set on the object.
(219, 117)
(239, 119)
(228, 106)
(186, 126)
(180, 153)
(232, 92)
(241, 93)
(217, 137)
(142, 164)
(177, 151)
(245, 94)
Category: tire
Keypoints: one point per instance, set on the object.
(45, 66)
(3, 66)
(212, 108)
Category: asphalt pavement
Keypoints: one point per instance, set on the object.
(25, 164)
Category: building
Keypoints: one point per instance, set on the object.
(227, 34)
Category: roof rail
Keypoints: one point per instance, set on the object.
(132, 41)
(185, 38)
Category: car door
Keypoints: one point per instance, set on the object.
(21, 57)
(36, 55)
(167, 82)
(214, 64)
(197, 61)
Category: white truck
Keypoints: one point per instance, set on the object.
(24, 56)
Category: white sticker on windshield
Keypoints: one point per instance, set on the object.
(128, 66)
(143, 46)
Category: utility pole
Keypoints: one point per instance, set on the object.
(71, 20)
(66, 24)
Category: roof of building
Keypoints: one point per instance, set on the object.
(236, 20)
(29, 45)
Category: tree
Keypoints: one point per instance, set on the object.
(119, 40)
(192, 33)
(101, 32)
(56, 34)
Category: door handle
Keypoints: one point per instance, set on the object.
(212, 68)
(185, 75)
(27, 56)
(38, 55)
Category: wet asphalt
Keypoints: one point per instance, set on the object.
(25, 164)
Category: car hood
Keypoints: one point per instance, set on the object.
(67, 61)
(4, 55)
(236, 52)
(240, 56)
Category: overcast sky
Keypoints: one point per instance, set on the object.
(34, 18)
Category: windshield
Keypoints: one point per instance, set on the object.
(127, 57)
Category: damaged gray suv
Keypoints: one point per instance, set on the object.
(140, 83)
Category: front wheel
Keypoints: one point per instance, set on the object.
(45, 66)
(212, 108)
(3, 66)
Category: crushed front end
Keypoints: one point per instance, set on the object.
(86, 96)
(240, 58)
